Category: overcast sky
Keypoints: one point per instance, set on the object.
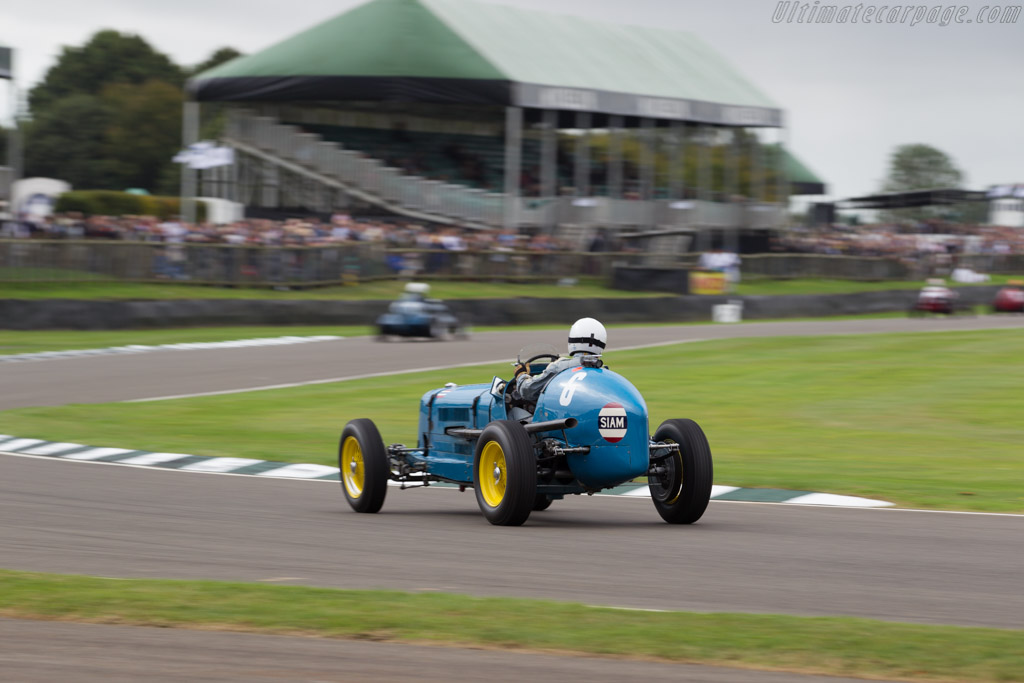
(851, 92)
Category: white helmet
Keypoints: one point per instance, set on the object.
(587, 336)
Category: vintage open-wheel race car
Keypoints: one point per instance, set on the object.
(587, 432)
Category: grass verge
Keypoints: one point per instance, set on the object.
(923, 420)
(380, 289)
(829, 646)
(588, 288)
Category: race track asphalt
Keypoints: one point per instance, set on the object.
(109, 520)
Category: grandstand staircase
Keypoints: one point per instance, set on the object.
(288, 149)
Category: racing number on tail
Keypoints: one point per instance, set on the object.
(570, 388)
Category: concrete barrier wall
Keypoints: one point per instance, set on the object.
(49, 314)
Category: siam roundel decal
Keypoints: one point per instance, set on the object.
(611, 422)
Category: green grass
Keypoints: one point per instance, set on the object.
(758, 286)
(382, 289)
(827, 646)
(388, 289)
(923, 420)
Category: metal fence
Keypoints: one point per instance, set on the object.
(83, 261)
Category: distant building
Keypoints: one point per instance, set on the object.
(1006, 205)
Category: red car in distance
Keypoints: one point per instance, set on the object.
(1010, 299)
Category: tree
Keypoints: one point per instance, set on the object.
(67, 140)
(143, 133)
(224, 54)
(921, 167)
(107, 115)
(108, 57)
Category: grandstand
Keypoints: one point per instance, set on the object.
(487, 116)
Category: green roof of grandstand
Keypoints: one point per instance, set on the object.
(421, 47)
(803, 179)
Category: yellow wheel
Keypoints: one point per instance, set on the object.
(492, 474)
(364, 466)
(505, 473)
(353, 473)
(681, 488)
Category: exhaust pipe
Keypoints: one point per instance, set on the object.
(551, 425)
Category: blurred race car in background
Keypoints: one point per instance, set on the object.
(935, 297)
(1010, 299)
(415, 315)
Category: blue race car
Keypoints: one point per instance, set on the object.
(587, 431)
(414, 315)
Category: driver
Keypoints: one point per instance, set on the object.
(586, 337)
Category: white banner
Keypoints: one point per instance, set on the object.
(205, 154)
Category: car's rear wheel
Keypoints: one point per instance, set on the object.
(364, 466)
(541, 502)
(681, 489)
(439, 331)
(505, 473)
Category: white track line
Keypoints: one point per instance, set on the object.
(370, 375)
(180, 346)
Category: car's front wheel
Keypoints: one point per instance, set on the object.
(681, 486)
(364, 466)
(505, 473)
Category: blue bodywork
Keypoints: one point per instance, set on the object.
(591, 391)
(612, 423)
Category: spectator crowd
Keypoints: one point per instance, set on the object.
(292, 232)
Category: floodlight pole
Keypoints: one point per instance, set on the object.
(615, 157)
(513, 166)
(732, 188)
(647, 161)
(703, 188)
(15, 153)
(189, 136)
(581, 171)
(676, 160)
(782, 177)
(14, 149)
(756, 170)
(548, 165)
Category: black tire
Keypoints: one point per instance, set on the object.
(505, 473)
(364, 466)
(682, 492)
(541, 502)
